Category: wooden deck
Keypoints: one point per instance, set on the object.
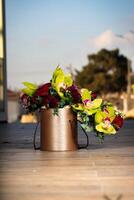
(103, 171)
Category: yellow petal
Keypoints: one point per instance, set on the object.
(93, 107)
(89, 112)
(96, 103)
(28, 91)
(78, 106)
(30, 88)
(101, 128)
(30, 85)
(99, 116)
(68, 80)
(111, 111)
(58, 72)
(86, 94)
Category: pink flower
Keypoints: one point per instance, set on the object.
(107, 122)
(87, 102)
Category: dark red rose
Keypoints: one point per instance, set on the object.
(50, 101)
(36, 101)
(45, 100)
(76, 97)
(74, 93)
(33, 100)
(53, 102)
(43, 90)
(118, 122)
(93, 96)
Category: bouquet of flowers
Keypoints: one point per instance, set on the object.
(93, 113)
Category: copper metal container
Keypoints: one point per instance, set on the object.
(58, 132)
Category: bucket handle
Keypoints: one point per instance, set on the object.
(34, 137)
(87, 138)
(71, 124)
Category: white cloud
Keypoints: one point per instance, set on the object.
(110, 40)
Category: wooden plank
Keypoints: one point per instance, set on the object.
(102, 169)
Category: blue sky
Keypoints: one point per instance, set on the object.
(42, 34)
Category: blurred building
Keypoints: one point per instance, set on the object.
(3, 76)
(13, 106)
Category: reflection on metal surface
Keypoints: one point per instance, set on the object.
(58, 132)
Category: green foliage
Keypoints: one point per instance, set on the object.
(53, 92)
(85, 122)
(55, 111)
(62, 103)
(100, 136)
(106, 71)
(67, 100)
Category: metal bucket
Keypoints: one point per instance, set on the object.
(58, 132)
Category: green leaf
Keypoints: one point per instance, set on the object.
(100, 136)
(86, 127)
(55, 111)
(68, 97)
(62, 103)
(53, 92)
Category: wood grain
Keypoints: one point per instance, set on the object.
(102, 169)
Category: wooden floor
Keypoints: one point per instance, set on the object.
(103, 171)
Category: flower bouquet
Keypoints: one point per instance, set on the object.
(91, 112)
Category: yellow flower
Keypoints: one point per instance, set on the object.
(103, 120)
(61, 81)
(88, 106)
(30, 88)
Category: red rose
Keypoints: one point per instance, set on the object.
(118, 122)
(45, 100)
(43, 90)
(53, 102)
(50, 101)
